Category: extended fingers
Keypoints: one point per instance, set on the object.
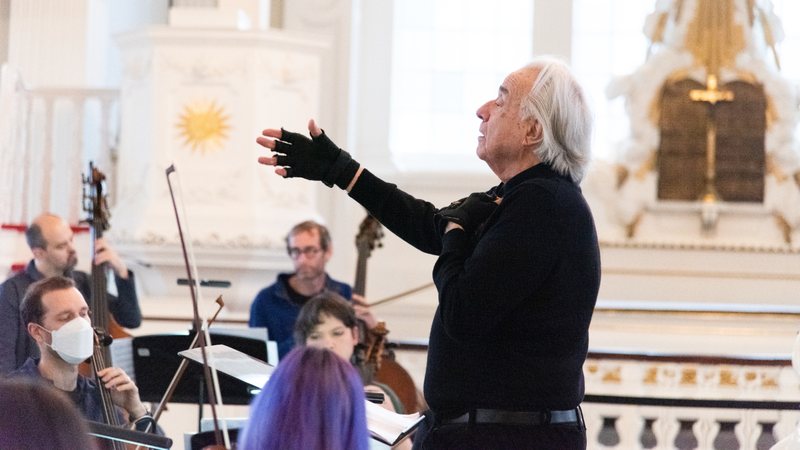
(313, 128)
(272, 132)
(268, 160)
(279, 141)
(265, 142)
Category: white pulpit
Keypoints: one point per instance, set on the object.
(198, 98)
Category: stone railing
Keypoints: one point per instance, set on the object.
(47, 139)
(659, 401)
(671, 423)
(689, 401)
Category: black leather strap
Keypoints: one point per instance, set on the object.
(556, 417)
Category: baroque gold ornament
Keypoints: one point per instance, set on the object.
(203, 126)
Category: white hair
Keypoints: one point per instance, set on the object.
(557, 101)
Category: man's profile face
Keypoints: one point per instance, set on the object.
(59, 252)
(307, 255)
(502, 130)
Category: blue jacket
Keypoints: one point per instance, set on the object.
(274, 309)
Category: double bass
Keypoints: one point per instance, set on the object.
(95, 204)
(105, 327)
(376, 359)
(99, 363)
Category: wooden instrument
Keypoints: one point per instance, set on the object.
(95, 204)
(99, 363)
(376, 360)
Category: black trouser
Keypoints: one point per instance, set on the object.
(496, 436)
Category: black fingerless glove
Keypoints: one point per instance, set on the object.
(469, 212)
(317, 158)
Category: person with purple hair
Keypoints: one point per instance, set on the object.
(313, 401)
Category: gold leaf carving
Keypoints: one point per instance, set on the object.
(689, 376)
(727, 378)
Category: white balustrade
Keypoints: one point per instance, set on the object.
(684, 402)
(48, 137)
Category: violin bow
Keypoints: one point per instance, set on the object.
(201, 328)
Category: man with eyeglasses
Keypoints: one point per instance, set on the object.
(276, 307)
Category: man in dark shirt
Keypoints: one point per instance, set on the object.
(50, 239)
(57, 318)
(518, 269)
(276, 307)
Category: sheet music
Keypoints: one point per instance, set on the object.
(260, 333)
(233, 363)
(122, 355)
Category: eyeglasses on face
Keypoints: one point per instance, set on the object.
(308, 252)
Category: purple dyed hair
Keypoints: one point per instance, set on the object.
(313, 401)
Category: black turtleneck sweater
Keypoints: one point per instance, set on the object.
(515, 302)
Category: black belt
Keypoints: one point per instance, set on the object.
(480, 415)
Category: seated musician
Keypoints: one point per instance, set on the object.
(328, 321)
(50, 239)
(276, 306)
(57, 319)
(313, 401)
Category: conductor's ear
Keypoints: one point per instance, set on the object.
(534, 134)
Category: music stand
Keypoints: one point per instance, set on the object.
(203, 439)
(133, 437)
(155, 360)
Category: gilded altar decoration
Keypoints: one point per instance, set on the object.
(712, 132)
(203, 126)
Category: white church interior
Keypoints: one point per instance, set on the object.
(694, 183)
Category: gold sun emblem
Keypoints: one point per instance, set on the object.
(203, 126)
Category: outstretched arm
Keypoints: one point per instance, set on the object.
(318, 158)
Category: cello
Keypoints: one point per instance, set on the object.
(376, 360)
(105, 327)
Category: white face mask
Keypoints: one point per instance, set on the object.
(74, 341)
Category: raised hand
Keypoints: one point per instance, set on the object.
(317, 158)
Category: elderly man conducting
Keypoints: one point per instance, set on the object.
(518, 269)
